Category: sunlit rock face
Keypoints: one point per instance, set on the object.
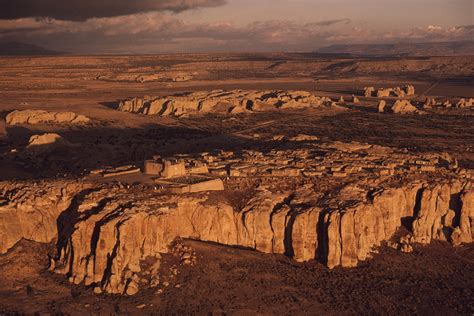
(30, 211)
(219, 101)
(41, 116)
(113, 240)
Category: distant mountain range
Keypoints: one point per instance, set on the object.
(17, 49)
(403, 49)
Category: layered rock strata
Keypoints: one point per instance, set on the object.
(30, 210)
(234, 102)
(113, 240)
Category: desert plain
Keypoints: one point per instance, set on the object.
(236, 184)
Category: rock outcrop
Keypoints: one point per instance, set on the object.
(40, 116)
(403, 107)
(463, 103)
(30, 211)
(143, 76)
(429, 103)
(399, 92)
(368, 91)
(384, 93)
(381, 106)
(45, 143)
(101, 251)
(219, 101)
(113, 240)
(409, 90)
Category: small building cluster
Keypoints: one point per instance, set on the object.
(207, 171)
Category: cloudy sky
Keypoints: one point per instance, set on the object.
(170, 26)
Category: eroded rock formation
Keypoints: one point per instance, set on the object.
(113, 239)
(40, 116)
(403, 107)
(30, 210)
(463, 103)
(109, 243)
(47, 140)
(381, 106)
(399, 92)
(234, 102)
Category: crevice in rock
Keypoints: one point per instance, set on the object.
(407, 221)
(110, 257)
(66, 220)
(288, 239)
(456, 204)
(322, 235)
(418, 198)
(276, 209)
(98, 225)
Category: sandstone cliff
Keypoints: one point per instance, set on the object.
(30, 211)
(235, 101)
(112, 240)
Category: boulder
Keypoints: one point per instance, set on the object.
(463, 103)
(381, 106)
(47, 139)
(384, 93)
(403, 106)
(409, 90)
(368, 91)
(399, 92)
(46, 143)
(429, 103)
(447, 104)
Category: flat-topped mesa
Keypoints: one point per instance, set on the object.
(109, 242)
(143, 77)
(399, 92)
(232, 102)
(111, 237)
(40, 116)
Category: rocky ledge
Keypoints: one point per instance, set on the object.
(111, 238)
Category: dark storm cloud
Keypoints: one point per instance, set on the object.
(81, 10)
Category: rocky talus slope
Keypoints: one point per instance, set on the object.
(112, 239)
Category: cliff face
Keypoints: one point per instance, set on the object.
(113, 242)
(31, 211)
